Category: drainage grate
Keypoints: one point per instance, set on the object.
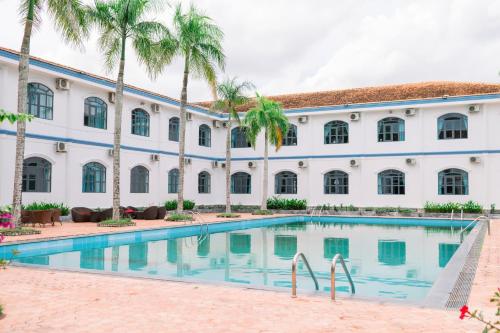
(460, 292)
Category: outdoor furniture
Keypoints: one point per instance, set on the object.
(41, 217)
(26, 217)
(81, 214)
(162, 211)
(150, 213)
(56, 216)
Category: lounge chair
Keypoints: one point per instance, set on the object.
(162, 211)
(81, 214)
(149, 213)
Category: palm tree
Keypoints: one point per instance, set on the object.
(120, 21)
(69, 19)
(231, 95)
(267, 115)
(199, 42)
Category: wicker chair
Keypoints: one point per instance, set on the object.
(107, 214)
(26, 217)
(162, 211)
(149, 213)
(56, 216)
(41, 217)
(81, 214)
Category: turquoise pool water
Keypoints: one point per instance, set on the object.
(387, 258)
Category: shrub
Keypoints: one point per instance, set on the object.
(1, 310)
(262, 212)
(179, 217)
(172, 205)
(468, 207)
(228, 215)
(48, 205)
(286, 204)
(19, 231)
(116, 223)
(384, 210)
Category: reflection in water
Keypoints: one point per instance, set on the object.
(385, 261)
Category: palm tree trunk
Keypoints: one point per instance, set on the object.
(228, 167)
(118, 133)
(263, 205)
(22, 105)
(182, 137)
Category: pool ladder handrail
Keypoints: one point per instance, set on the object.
(295, 260)
(481, 217)
(338, 257)
(202, 223)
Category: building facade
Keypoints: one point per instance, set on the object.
(386, 152)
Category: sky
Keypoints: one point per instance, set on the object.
(289, 46)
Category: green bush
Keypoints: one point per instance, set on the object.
(19, 231)
(286, 204)
(468, 207)
(262, 212)
(116, 223)
(228, 215)
(179, 217)
(48, 205)
(384, 210)
(172, 204)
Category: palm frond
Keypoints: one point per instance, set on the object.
(70, 19)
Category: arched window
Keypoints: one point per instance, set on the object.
(241, 183)
(453, 182)
(391, 129)
(203, 182)
(239, 138)
(452, 126)
(290, 139)
(173, 129)
(95, 113)
(40, 101)
(173, 181)
(37, 174)
(94, 178)
(336, 182)
(140, 122)
(285, 182)
(139, 180)
(204, 136)
(336, 132)
(391, 182)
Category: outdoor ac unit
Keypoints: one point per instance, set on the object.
(225, 124)
(61, 147)
(216, 124)
(189, 116)
(410, 112)
(62, 84)
(303, 119)
(252, 164)
(155, 157)
(223, 165)
(215, 164)
(187, 161)
(474, 108)
(112, 97)
(155, 108)
(111, 152)
(355, 116)
(302, 164)
(411, 161)
(354, 163)
(475, 159)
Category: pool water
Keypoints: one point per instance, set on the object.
(385, 259)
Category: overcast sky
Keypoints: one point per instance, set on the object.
(286, 46)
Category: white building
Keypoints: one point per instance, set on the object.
(388, 146)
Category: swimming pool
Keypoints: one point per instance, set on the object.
(388, 258)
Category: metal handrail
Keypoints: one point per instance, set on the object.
(468, 225)
(295, 260)
(335, 259)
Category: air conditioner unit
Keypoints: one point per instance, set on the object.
(155, 108)
(111, 152)
(187, 161)
(302, 164)
(475, 159)
(189, 116)
(354, 163)
(223, 165)
(62, 84)
(474, 108)
(355, 116)
(216, 124)
(252, 164)
(410, 112)
(61, 147)
(411, 161)
(111, 97)
(215, 164)
(303, 119)
(226, 124)
(155, 157)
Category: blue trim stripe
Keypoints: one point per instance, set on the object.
(296, 157)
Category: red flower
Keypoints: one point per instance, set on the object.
(464, 310)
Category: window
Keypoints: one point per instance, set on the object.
(391, 252)
(139, 180)
(290, 139)
(95, 113)
(332, 246)
(173, 181)
(203, 182)
(204, 136)
(285, 183)
(453, 182)
(37, 174)
(40, 101)
(241, 183)
(94, 178)
(391, 182)
(239, 138)
(285, 246)
(391, 129)
(452, 126)
(336, 182)
(173, 129)
(336, 132)
(140, 122)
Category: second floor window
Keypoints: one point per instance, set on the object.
(140, 122)
(336, 132)
(95, 113)
(173, 129)
(204, 136)
(290, 139)
(239, 138)
(40, 101)
(452, 126)
(391, 129)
